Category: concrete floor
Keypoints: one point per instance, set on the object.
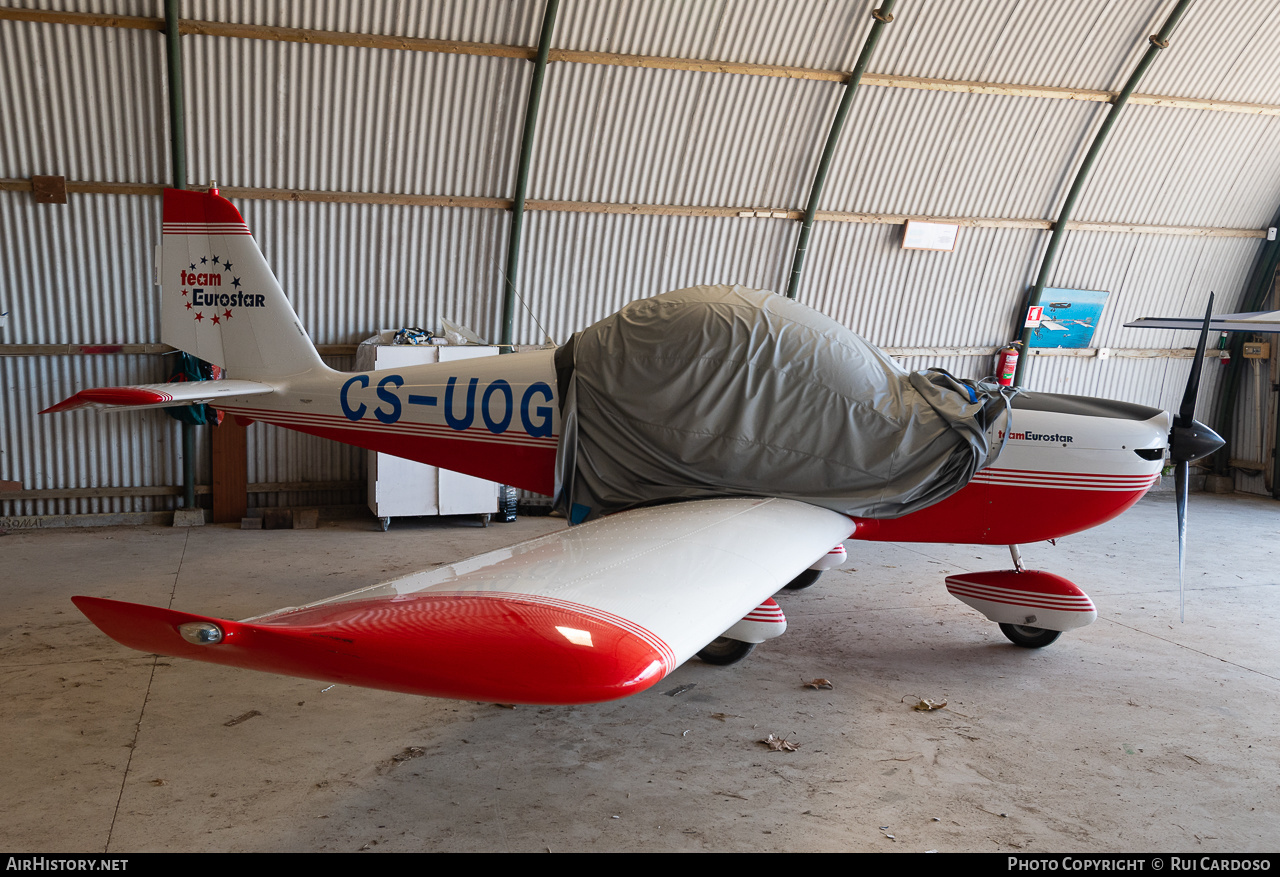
(1136, 733)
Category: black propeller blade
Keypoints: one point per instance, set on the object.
(1190, 440)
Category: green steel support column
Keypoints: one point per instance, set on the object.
(178, 158)
(1158, 41)
(522, 176)
(882, 16)
(177, 113)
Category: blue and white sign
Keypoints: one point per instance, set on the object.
(1069, 317)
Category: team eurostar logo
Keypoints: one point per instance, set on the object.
(1036, 437)
(203, 288)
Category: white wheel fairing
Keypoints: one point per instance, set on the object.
(1031, 598)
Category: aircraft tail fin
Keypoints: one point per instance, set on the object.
(220, 300)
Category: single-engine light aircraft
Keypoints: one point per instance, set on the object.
(607, 608)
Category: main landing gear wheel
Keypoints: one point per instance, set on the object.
(1029, 637)
(802, 581)
(724, 651)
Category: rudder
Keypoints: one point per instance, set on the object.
(219, 299)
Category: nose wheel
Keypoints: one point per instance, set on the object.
(1029, 637)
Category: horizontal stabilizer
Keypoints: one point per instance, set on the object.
(160, 395)
(592, 613)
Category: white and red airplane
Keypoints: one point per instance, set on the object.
(605, 609)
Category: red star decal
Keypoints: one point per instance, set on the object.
(227, 314)
(199, 316)
(184, 292)
(215, 319)
(188, 305)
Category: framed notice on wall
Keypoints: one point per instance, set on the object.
(920, 235)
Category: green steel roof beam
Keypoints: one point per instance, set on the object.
(178, 158)
(1158, 41)
(882, 16)
(522, 176)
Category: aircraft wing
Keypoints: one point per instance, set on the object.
(1262, 321)
(593, 613)
(160, 395)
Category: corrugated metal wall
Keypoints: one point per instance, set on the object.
(418, 123)
(822, 35)
(84, 102)
(504, 22)
(351, 269)
(81, 449)
(89, 102)
(678, 137)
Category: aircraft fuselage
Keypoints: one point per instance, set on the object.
(1068, 463)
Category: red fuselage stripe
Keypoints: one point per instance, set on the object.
(988, 513)
(517, 463)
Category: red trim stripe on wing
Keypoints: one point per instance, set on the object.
(655, 642)
(118, 396)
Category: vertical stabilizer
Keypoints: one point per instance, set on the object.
(219, 299)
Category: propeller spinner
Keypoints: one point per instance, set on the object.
(1189, 440)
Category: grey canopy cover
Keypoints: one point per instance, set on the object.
(726, 391)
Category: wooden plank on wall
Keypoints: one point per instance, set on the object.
(230, 472)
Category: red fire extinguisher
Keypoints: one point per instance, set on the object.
(1008, 363)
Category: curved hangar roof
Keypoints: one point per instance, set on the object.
(374, 148)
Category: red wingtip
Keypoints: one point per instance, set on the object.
(187, 205)
(68, 404)
(115, 396)
(495, 648)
